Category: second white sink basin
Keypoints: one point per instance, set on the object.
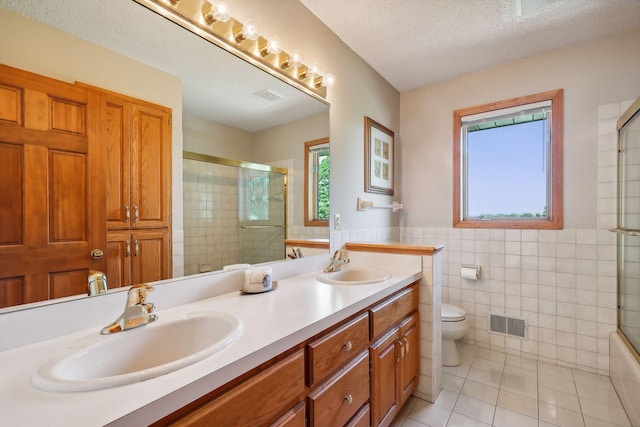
(138, 354)
(354, 276)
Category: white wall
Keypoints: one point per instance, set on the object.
(359, 92)
(563, 282)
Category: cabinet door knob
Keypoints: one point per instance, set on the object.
(348, 399)
(136, 213)
(347, 346)
(127, 213)
(406, 344)
(127, 251)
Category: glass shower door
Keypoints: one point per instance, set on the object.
(629, 226)
(262, 222)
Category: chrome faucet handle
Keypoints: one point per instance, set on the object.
(137, 295)
(137, 311)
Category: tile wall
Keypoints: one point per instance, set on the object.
(210, 217)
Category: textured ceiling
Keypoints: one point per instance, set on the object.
(416, 42)
(216, 85)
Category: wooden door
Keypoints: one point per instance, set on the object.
(116, 138)
(52, 199)
(151, 258)
(119, 256)
(409, 363)
(150, 166)
(384, 390)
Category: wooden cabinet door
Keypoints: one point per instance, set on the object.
(150, 166)
(116, 138)
(410, 359)
(151, 257)
(118, 259)
(385, 401)
(52, 197)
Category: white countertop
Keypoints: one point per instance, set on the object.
(273, 322)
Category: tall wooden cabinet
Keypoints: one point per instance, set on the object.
(137, 137)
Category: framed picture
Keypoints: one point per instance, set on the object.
(378, 158)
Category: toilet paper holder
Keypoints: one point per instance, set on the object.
(470, 272)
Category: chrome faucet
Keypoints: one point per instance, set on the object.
(340, 257)
(96, 283)
(136, 313)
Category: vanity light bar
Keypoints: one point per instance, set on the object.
(211, 20)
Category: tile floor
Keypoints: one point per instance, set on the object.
(491, 388)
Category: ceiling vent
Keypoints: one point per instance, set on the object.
(268, 94)
(527, 6)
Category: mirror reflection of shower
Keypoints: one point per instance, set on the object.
(234, 213)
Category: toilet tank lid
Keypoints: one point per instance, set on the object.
(452, 313)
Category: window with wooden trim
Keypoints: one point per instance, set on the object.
(508, 163)
(316, 178)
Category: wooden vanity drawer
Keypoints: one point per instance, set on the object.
(361, 419)
(257, 401)
(383, 316)
(336, 401)
(334, 349)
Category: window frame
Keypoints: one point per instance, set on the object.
(555, 211)
(310, 211)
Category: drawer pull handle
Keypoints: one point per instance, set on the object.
(348, 399)
(402, 349)
(347, 346)
(406, 344)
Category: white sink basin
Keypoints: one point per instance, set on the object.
(104, 361)
(354, 276)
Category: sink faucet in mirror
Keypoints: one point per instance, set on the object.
(137, 311)
(340, 257)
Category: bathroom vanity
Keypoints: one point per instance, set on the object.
(303, 353)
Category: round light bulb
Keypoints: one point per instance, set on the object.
(296, 59)
(250, 31)
(273, 45)
(328, 80)
(315, 70)
(221, 12)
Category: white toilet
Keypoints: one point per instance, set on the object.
(454, 326)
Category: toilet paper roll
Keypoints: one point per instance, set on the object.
(258, 280)
(470, 272)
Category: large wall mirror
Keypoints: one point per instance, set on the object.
(223, 107)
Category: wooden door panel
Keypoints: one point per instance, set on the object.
(411, 359)
(118, 162)
(67, 283)
(118, 259)
(52, 207)
(11, 104)
(67, 197)
(11, 183)
(151, 257)
(68, 116)
(12, 291)
(150, 170)
(384, 395)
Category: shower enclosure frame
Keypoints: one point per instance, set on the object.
(631, 115)
(241, 164)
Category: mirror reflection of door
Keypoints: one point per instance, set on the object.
(52, 206)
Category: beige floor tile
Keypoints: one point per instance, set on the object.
(518, 403)
(474, 408)
(452, 383)
(557, 383)
(558, 398)
(429, 414)
(459, 420)
(559, 416)
(490, 377)
(480, 391)
(610, 411)
(507, 418)
(446, 399)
